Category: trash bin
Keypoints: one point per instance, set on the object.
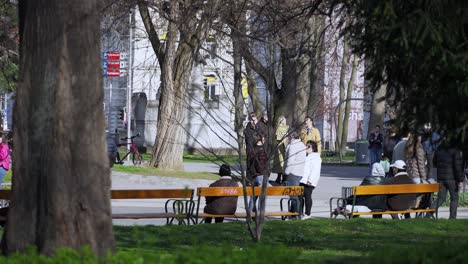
(362, 152)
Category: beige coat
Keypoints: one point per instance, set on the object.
(416, 166)
(281, 141)
(314, 135)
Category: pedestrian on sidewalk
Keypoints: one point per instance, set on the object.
(312, 166)
(415, 159)
(257, 167)
(375, 147)
(4, 157)
(281, 142)
(294, 166)
(449, 163)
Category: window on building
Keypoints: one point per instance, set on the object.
(211, 48)
(211, 91)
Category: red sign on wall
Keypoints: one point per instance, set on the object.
(113, 56)
(113, 64)
(113, 72)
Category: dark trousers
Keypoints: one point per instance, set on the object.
(452, 187)
(430, 165)
(308, 197)
(217, 220)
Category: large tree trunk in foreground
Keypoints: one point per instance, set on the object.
(61, 183)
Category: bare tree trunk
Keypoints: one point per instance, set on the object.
(317, 70)
(341, 105)
(349, 94)
(238, 123)
(303, 88)
(186, 31)
(286, 99)
(377, 113)
(61, 184)
(252, 89)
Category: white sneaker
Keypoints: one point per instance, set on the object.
(304, 217)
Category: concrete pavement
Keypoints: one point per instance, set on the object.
(331, 180)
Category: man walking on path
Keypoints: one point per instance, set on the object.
(449, 163)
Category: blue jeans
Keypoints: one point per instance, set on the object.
(293, 180)
(375, 155)
(2, 174)
(253, 199)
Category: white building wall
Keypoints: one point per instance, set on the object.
(333, 59)
(207, 127)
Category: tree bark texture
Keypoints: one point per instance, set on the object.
(286, 98)
(341, 103)
(61, 183)
(377, 113)
(349, 93)
(317, 71)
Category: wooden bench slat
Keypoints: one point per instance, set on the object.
(152, 194)
(238, 191)
(395, 189)
(144, 215)
(397, 212)
(244, 215)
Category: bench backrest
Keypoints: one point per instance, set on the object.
(395, 189)
(134, 194)
(152, 194)
(238, 191)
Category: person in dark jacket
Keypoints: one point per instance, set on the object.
(375, 146)
(390, 142)
(221, 205)
(400, 202)
(449, 163)
(253, 130)
(257, 167)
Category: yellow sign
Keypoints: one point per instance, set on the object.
(210, 79)
(245, 88)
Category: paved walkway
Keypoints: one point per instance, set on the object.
(331, 181)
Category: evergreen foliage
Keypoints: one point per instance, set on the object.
(419, 48)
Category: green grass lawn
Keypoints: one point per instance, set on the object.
(311, 241)
(290, 242)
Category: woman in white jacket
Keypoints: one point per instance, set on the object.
(312, 167)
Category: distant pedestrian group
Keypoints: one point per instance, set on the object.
(414, 157)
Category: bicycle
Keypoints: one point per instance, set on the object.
(136, 156)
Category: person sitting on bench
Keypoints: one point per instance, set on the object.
(222, 205)
(372, 202)
(400, 202)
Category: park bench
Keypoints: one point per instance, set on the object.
(178, 206)
(340, 202)
(238, 191)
